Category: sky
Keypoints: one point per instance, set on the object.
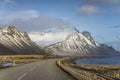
(100, 17)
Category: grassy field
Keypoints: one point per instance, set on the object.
(90, 72)
(22, 58)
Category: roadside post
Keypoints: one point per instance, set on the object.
(13, 63)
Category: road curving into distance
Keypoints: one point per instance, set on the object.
(42, 70)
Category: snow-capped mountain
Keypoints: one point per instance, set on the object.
(79, 44)
(61, 42)
(51, 36)
(14, 41)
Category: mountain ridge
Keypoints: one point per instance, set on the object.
(80, 44)
(18, 42)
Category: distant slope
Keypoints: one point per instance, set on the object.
(13, 41)
(114, 44)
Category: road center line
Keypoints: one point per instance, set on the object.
(26, 74)
(22, 76)
(32, 69)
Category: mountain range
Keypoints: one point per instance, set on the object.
(70, 42)
(58, 42)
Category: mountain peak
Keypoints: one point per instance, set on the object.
(10, 27)
(11, 31)
(89, 37)
(15, 41)
(75, 29)
(87, 34)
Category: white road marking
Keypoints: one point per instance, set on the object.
(26, 73)
(22, 76)
(32, 69)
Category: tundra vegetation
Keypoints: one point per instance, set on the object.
(90, 72)
(22, 58)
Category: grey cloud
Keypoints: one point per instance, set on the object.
(118, 37)
(90, 7)
(29, 20)
(117, 26)
(117, 10)
(9, 1)
(8, 16)
(103, 2)
(88, 10)
(39, 23)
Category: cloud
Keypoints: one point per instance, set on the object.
(8, 16)
(118, 37)
(91, 7)
(29, 20)
(9, 1)
(117, 26)
(117, 10)
(88, 10)
(103, 2)
(39, 23)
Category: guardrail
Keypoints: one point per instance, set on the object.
(6, 64)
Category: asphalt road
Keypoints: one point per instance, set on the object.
(42, 70)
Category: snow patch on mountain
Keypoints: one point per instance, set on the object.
(51, 36)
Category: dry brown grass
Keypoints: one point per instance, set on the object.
(110, 71)
(90, 72)
(22, 58)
